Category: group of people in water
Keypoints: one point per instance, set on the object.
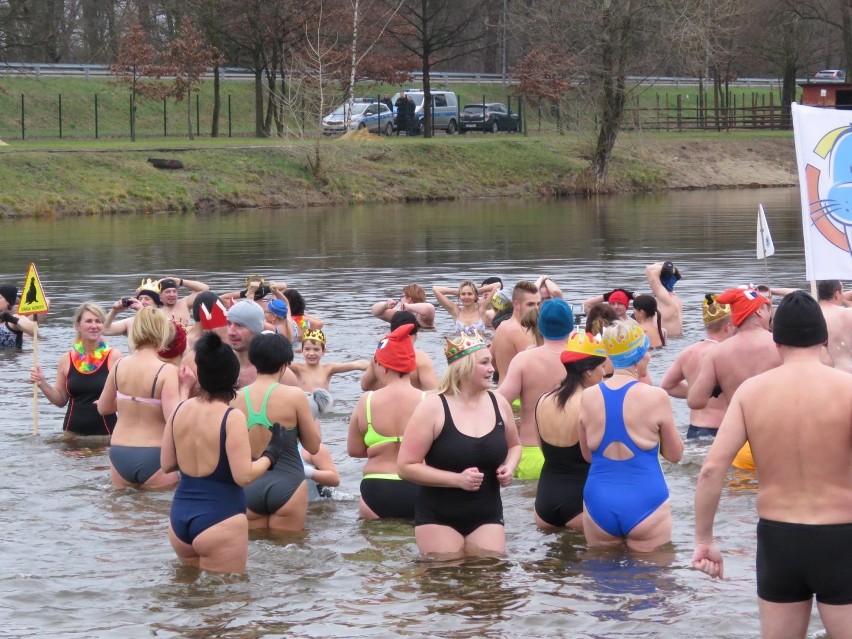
(210, 401)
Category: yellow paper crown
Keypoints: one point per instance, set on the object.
(634, 339)
(711, 310)
(150, 285)
(501, 302)
(585, 344)
(315, 334)
(462, 345)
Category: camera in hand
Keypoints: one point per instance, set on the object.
(126, 302)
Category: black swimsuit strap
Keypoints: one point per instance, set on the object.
(497, 414)
(156, 377)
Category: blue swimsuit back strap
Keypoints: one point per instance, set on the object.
(615, 429)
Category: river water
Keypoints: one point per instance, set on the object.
(80, 559)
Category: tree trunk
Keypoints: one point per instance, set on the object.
(189, 113)
(258, 101)
(352, 66)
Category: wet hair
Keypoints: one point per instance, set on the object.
(415, 293)
(648, 305)
(524, 286)
(401, 318)
(599, 317)
(827, 288)
(208, 299)
(529, 321)
(218, 368)
(574, 372)
(90, 307)
(151, 328)
(296, 301)
(268, 352)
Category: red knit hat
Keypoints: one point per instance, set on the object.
(743, 302)
(396, 351)
(620, 297)
(178, 344)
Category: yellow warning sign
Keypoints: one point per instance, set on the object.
(32, 296)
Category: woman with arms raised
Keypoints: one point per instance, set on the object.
(469, 314)
(461, 446)
(208, 442)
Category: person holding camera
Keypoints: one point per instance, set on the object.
(13, 327)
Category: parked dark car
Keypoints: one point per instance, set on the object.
(487, 117)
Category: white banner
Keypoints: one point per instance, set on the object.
(824, 154)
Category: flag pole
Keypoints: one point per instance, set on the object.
(35, 384)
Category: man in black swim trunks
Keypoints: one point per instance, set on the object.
(798, 420)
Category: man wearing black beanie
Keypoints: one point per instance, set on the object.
(798, 419)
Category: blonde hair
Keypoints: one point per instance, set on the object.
(455, 374)
(469, 284)
(90, 307)
(151, 328)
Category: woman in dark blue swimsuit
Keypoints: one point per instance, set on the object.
(208, 442)
(461, 446)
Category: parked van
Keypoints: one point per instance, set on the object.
(445, 109)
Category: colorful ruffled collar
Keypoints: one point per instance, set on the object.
(89, 362)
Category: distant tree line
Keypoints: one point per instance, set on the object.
(307, 54)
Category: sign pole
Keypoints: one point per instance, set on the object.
(35, 384)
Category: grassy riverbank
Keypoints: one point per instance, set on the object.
(59, 178)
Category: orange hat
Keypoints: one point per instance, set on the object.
(743, 302)
(396, 351)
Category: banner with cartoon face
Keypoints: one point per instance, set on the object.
(824, 153)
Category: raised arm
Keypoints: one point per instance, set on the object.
(652, 274)
(441, 293)
(588, 303)
(384, 310)
(21, 323)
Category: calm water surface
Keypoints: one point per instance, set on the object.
(80, 559)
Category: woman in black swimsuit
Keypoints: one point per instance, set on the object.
(461, 446)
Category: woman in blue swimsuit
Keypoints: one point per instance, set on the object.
(208, 442)
(461, 446)
(278, 500)
(144, 391)
(377, 425)
(625, 425)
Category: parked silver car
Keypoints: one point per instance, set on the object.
(366, 114)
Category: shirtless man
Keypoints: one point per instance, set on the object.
(749, 352)
(547, 288)
(617, 298)
(245, 320)
(313, 374)
(179, 309)
(413, 299)
(798, 419)
(703, 422)
(511, 338)
(424, 377)
(662, 278)
(838, 318)
(534, 372)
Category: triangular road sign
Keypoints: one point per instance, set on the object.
(33, 300)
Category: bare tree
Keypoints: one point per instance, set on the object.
(835, 13)
(437, 31)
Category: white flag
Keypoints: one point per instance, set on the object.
(765, 247)
(824, 154)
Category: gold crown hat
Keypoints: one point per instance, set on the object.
(712, 310)
(150, 285)
(315, 334)
(628, 350)
(501, 300)
(463, 345)
(582, 345)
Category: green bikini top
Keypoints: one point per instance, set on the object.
(371, 437)
(259, 417)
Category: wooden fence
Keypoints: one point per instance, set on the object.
(671, 114)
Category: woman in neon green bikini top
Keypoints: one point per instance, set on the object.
(377, 427)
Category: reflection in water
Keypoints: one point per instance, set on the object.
(69, 539)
